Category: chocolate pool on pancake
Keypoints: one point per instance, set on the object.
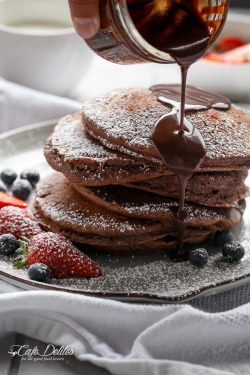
(123, 120)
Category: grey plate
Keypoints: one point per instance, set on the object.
(150, 277)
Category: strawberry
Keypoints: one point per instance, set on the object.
(227, 43)
(9, 200)
(18, 221)
(61, 256)
(239, 55)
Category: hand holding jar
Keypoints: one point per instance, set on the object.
(85, 17)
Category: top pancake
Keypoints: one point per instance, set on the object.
(124, 119)
(84, 160)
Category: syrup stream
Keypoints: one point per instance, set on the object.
(180, 29)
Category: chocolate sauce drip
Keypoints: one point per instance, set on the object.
(195, 100)
(184, 29)
(182, 150)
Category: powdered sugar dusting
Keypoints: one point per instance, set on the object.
(223, 144)
(124, 115)
(124, 120)
(71, 140)
(71, 150)
(86, 223)
(60, 203)
(130, 202)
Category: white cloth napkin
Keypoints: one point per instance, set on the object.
(21, 106)
(124, 338)
(133, 338)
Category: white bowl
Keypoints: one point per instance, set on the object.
(230, 80)
(39, 46)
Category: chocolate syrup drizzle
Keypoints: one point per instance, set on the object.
(182, 150)
(183, 29)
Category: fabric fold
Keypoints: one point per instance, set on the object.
(20, 106)
(133, 338)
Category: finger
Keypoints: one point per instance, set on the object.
(85, 17)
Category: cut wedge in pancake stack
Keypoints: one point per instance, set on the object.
(113, 191)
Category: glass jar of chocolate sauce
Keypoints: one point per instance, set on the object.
(162, 31)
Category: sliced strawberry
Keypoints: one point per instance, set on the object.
(61, 256)
(9, 200)
(227, 43)
(19, 222)
(239, 55)
(216, 57)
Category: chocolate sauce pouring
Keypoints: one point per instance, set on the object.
(180, 29)
(183, 152)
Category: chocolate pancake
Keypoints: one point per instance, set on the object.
(63, 209)
(59, 208)
(84, 160)
(144, 205)
(124, 119)
(224, 189)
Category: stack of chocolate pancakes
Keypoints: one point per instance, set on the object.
(114, 192)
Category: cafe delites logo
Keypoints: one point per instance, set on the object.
(50, 353)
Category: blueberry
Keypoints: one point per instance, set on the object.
(22, 189)
(233, 251)
(8, 176)
(8, 244)
(223, 237)
(31, 175)
(3, 187)
(198, 257)
(39, 272)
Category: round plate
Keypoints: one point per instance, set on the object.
(148, 277)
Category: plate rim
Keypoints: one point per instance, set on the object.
(28, 127)
(133, 296)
